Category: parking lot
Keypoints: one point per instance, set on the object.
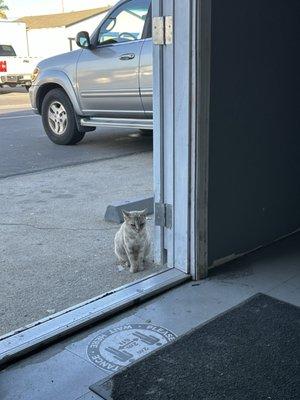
(55, 248)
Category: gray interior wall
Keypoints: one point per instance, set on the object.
(254, 156)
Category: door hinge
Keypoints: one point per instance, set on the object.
(163, 215)
(162, 30)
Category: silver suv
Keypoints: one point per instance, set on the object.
(107, 82)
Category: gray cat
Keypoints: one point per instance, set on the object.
(132, 241)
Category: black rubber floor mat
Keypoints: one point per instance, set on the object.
(250, 353)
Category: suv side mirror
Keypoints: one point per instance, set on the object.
(83, 40)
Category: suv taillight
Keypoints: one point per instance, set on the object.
(3, 66)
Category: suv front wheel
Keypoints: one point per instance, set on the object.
(59, 118)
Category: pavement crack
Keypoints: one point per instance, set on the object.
(56, 227)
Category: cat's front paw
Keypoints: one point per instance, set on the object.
(133, 269)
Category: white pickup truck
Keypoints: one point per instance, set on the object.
(15, 70)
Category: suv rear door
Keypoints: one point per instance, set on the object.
(108, 75)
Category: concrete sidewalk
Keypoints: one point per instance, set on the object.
(14, 98)
(55, 248)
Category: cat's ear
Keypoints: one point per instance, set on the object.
(126, 215)
(144, 212)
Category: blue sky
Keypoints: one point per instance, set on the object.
(20, 8)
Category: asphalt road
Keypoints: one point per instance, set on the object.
(25, 148)
(55, 248)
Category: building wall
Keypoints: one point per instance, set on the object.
(47, 42)
(254, 189)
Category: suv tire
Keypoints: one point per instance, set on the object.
(59, 118)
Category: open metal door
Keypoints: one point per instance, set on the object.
(171, 131)
(181, 99)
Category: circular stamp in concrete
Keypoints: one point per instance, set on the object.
(121, 345)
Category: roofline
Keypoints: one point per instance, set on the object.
(83, 19)
(15, 21)
(21, 20)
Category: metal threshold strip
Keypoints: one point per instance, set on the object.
(117, 122)
(43, 332)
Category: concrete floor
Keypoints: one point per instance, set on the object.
(65, 370)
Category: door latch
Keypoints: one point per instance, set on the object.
(162, 30)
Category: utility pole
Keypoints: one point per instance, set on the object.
(62, 6)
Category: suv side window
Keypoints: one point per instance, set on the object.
(126, 23)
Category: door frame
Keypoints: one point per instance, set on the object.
(181, 97)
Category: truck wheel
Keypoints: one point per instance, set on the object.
(59, 118)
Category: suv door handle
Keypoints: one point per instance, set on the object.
(127, 56)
